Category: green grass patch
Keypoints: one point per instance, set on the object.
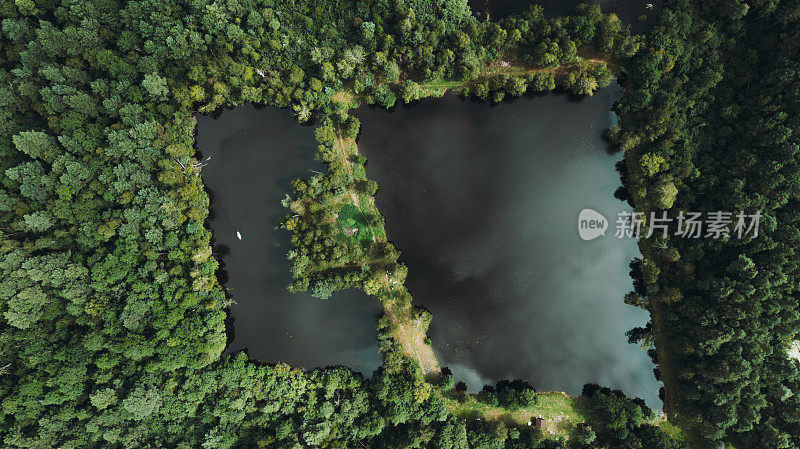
(556, 403)
(551, 405)
(353, 223)
(672, 430)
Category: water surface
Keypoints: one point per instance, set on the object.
(482, 202)
(255, 153)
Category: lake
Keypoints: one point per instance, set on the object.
(255, 153)
(483, 203)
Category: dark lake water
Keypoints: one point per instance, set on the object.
(627, 10)
(255, 153)
(483, 203)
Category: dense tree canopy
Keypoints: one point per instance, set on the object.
(113, 320)
(709, 123)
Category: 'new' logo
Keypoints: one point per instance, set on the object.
(591, 224)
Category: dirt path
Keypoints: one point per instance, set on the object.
(513, 68)
(408, 331)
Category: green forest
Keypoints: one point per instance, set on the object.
(114, 321)
(714, 101)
